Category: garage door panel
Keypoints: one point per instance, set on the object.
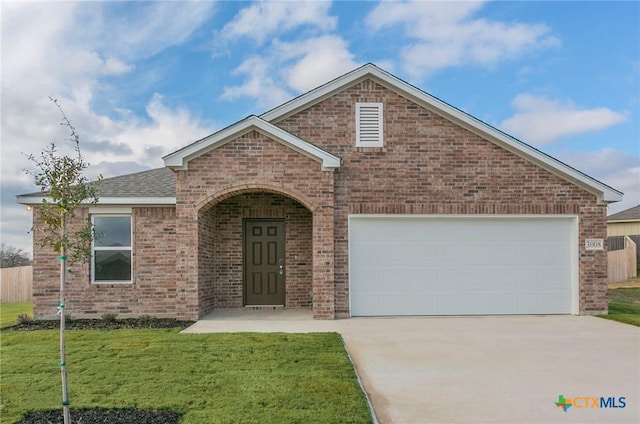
(460, 266)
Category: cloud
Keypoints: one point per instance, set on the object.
(45, 51)
(318, 60)
(259, 83)
(446, 34)
(262, 20)
(617, 169)
(539, 120)
(289, 68)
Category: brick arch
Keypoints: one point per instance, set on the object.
(254, 187)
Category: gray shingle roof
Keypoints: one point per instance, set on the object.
(154, 183)
(159, 182)
(626, 215)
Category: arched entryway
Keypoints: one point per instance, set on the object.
(255, 248)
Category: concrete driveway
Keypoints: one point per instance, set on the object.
(483, 369)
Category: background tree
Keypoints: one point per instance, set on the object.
(65, 189)
(12, 257)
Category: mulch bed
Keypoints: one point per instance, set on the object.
(103, 416)
(101, 324)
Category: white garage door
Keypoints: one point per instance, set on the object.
(462, 265)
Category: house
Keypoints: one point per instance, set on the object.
(363, 197)
(624, 224)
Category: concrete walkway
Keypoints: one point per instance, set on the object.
(477, 369)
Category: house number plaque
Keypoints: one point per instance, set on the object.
(594, 244)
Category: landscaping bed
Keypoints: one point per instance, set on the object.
(99, 324)
(103, 416)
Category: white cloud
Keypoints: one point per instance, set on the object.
(617, 169)
(447, 34)
(289, 68)
(65, 49)
(263, 19)
(539, 120)
(45, 51)
(319, 60)
(259, 83)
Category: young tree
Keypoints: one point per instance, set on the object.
(65, 188)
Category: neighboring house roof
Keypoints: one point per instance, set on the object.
(627, 215)
(180, 159)
(156, 186)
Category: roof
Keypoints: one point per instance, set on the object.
(631, 214)
(603, 192)
(156, 186)
(180, 159)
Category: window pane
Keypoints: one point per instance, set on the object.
(112, 265)
(112, 231)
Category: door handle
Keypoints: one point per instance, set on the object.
(281, 266)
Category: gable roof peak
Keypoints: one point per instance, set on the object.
(603, 192)
(180, 158)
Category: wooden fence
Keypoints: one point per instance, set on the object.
(623, 264)
(16, 284)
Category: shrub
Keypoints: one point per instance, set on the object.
(24, 319)
(109, 317)
(146, 320)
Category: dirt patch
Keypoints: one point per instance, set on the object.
(631, 283)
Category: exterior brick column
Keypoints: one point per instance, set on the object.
(187, 307)
(323, 254)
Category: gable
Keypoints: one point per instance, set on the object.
(370, 72)
(180, 159)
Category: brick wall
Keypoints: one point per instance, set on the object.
(152, 292)
(223, 186)
(224, 283)
(188, 259)
(431, 166)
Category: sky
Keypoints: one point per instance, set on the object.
(139, 80)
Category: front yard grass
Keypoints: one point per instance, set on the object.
(624, 305)
(211, 378)
(9, 312)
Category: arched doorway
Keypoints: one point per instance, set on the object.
(255, 249)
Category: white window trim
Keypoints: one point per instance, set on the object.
(103, 248)
(379, 142)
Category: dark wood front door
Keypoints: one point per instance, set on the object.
(264, 267)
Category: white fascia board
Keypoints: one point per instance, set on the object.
(131, 201)
(603, 192)
(181, 158)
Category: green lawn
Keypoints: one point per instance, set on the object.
(9, 312)
(624, 305)
(212, 378)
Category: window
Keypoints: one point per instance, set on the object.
(369, 125)
(111, 261)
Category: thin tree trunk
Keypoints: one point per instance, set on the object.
(63, 355)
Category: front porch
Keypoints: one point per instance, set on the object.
(256, 314)
(256, 251)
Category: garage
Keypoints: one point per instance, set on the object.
(462, 265)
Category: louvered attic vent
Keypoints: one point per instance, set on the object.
(369, 125)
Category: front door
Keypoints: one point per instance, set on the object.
(264, 271)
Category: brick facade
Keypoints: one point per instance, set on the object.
(152, 292)
(188, 259)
